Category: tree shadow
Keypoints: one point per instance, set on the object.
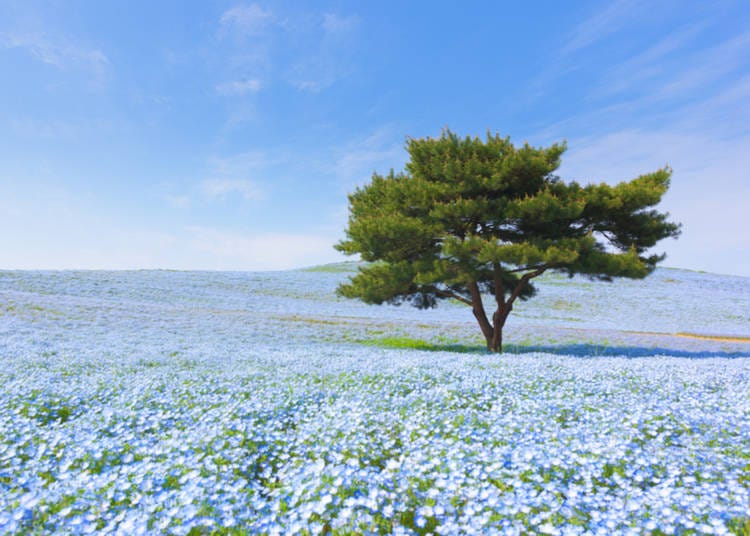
(601, 350)
(576, 350)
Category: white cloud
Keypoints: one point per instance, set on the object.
(380, 151)
(691, 112)
(313, 86)
(648, 64)
(52, 130)
(247, 59)
(611, 18)
(237, 167)
(245, 20)
(58, 51)
(230, 250)
(309, 51)
(221, 187)
(237, 88)
(601, 24)
(225, 177)
(240, 113)
(178, 201)
(329, 55)
(676, 66)
(69, 129)
(708, 66)
(339, 25)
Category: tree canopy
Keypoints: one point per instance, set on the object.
(468, 217)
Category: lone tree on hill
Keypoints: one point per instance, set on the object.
(469, 217)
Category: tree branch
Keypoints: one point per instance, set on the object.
(522, 284)
(607, 237)
(526, 268)
(499, 288)
(448, 294)
(478, 310)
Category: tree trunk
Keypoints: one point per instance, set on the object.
(493, 333)
(498, 321)
(495, 343)
(484, 325)
(478, 309)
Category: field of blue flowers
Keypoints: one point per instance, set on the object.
(241, 403)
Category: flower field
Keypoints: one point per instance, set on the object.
(156, 402)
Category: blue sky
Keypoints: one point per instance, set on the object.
(226, 135)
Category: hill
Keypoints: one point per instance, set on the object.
(676, 310)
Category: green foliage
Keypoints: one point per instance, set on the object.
(469, 215)
(739, 526)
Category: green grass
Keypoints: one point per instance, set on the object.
(565, 305)
(408, 343)
(739, 526)
(477, 347)
(333, 268)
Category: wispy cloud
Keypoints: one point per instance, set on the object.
(705, 141)
(246, 37)
(245, 20)
(310, 52)
(238, 88)
(729, 107)
(570, 57)
(329, 57)
(380, 151)
(681, 100)
(69, 129)
(709, 65)
(335, 25)
(51, 130)
(669, 81)
(178, 201)
(601, 24)
(236, 174)
(57, 51)
(222, 187)
(707, 86)
(649, 64)
(239, 165)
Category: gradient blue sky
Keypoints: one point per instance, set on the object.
(226, 135)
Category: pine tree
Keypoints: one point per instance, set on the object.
(469, 217)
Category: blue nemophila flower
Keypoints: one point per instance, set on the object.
(242, 429)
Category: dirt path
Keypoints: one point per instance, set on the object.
(685, 335)
(719, 338)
